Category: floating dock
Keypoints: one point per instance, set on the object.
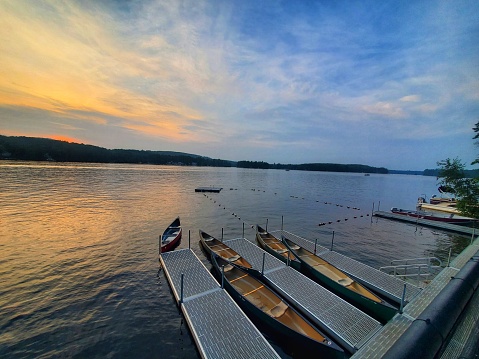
(388, 286)
(344, 323)
(427, 223)
(208, 189)
(219, 327)
(426, 310)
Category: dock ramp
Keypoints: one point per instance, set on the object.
(219, 327)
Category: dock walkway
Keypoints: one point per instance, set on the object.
(344, 323)
(427, 223)
(390, 287)
(219, 327)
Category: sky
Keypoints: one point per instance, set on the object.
(391, 84)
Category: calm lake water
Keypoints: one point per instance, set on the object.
(79, 244)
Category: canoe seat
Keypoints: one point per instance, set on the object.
(295, 247)
(228, 267)
(281, 250)
(278, 310)
(345, 281)
(209, 239)
(234, 258)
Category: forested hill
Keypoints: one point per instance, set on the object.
(44, 149)
(324, 167)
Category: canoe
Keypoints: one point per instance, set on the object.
(273, 315)
(212, 245)
(274, 246)
(171, 236)
(341, 284)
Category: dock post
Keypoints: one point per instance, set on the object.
(222, 234)
(282, 223)
(379, 204)
(402, 299)
(332, 242)
(222, 276)
(189, 238)
(473, 231)
(288, 261)
(315, 244)
(181, 288)
(266, 224)
(372, 213)
(159, 245)
(262, 266)
(449, 258)
(243, 229)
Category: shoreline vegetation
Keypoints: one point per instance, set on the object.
(23, 148)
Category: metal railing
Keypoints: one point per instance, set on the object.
(422, 269)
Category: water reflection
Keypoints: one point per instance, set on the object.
(79, 243)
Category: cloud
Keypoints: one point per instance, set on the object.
(279, 77)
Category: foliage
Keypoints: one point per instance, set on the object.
(466, 190)
(43, 149)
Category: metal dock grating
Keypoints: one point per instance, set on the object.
(460, 339)
(219, 327)
(255, 258)
(380, 344)
(346, 324)
(237, 339)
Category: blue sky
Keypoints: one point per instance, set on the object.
(382, 83)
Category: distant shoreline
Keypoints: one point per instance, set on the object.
(20, 148)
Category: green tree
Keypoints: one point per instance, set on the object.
(466, 190)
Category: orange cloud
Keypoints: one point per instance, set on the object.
(73, 63)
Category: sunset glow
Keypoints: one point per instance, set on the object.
(289, 83)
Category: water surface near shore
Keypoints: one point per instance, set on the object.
(79, 244)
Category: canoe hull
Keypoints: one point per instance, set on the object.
(380, 310)
(173, 230)
(293, 262)
(293, 342)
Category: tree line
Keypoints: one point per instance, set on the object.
(44, 149)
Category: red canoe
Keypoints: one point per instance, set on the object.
(171, 236)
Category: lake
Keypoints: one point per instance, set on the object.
(79, 243)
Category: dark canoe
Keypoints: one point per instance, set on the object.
(171, 236)
(341, 284)
(270, 313)
(273, 245)
(211, 245)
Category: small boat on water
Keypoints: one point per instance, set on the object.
(269, 312)
(274, 246)
(451, 218)
(213, 246)
(335, 280)
(171, 236)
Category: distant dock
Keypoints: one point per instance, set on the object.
(209, 189)
(427, 223)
